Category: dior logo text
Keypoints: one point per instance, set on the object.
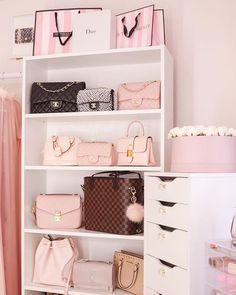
(89, 31)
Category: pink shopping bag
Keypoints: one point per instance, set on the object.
(158, 35)
(54, 30)
(134, 28)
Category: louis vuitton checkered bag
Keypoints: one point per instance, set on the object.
(95, 99)
(107, 199)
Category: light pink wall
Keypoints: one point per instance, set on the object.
(201, 37)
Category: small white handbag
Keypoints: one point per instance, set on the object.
(61, 150)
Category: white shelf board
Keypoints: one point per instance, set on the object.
(72, 291)
(94, 116)
(84, 233)
(138, 55)
(93, 168)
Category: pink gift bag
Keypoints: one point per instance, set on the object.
(158, 35)
(54, 30)
(134, 28)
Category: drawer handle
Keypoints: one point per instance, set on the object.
(162, 271)
(162, 185)
(162, 236)
(162, 210)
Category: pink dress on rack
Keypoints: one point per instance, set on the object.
(10, 136)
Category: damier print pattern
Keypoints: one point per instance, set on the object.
(105, 207)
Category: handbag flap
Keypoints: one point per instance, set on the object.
(103, 95)
(102, 273)
(102, 149)
(141, 90)
(58, 203)
(51, 91)
(137, 144)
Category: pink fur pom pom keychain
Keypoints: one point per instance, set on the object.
(135, 211)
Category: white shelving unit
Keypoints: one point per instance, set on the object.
(100, 68)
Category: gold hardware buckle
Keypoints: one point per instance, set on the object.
(130, 152)
(57, 217)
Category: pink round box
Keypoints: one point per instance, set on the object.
(203, 154)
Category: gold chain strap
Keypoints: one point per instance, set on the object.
(139, 89)
(134, 278)
(56, 144)
(57, 90)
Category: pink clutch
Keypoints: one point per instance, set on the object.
(58, 211)
(94, 275)
(95, 154)
(135, 151)
(143, 95)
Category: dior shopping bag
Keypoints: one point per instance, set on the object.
(54, 30)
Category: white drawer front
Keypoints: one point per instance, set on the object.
(172, 247)
(166, 280)
(176, 216)
(149, 291)
(176, 190)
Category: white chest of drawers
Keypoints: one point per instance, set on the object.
(182, 212)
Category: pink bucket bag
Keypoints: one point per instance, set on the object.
(94, 275)
(139, 96)
(58, 211)
(61, 150)
(137, 150)
(95, 154)
(54, 261)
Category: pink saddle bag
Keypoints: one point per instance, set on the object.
(139, 96)
(94, 275)
(95, 154)
(58, 211)
(137, 150)
(61, 150)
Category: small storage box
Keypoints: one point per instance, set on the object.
(203, 154)
(221, 268)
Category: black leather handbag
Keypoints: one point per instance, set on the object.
(55, 97)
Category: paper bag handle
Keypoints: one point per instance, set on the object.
(63, 43)
(130, 33)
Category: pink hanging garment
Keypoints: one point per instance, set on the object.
(10, 130)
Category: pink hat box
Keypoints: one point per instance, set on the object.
(204, 154)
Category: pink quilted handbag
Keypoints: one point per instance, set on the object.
(58, 211)
(61, 150)
(139, 96)
(95, 154)
(135, 151)
(94, 275)
(54, 261)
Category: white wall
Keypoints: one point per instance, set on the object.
(200, 35)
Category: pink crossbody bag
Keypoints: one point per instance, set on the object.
(58, 211)
(139, 96)
(137, 150)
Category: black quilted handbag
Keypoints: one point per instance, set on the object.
(55, 97)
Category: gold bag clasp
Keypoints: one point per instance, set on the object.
(130, 152)
(57, 216)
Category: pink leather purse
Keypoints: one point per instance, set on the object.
(61, 150)
(135, 151)
(94, 275)
(54, 261)
(139, 96)
(58, 211)
(95, 154)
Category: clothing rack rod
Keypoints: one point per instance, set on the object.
(4, 75)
